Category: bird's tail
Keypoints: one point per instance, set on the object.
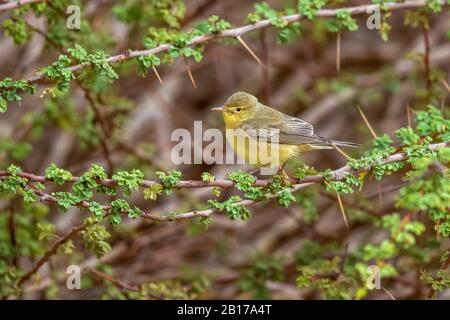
(330, 142)
(345, 144)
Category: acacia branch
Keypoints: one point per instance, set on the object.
(239, 31)
(15, 4)
(336, 175)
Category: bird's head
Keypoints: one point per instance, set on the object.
(239, 107)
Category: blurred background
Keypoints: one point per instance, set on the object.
(128, 124)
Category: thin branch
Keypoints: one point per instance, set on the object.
(239, 31)
(15, 4)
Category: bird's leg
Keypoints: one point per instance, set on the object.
(281, 169)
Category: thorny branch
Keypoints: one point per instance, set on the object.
(239, 31)
(336, 175)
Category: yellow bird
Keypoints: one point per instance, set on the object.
(266, 137)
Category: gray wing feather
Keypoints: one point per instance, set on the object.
(290, 130)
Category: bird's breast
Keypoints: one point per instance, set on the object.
(259, 153)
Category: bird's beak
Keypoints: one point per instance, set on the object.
(221, 108)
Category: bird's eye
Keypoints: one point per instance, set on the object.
(238, 109)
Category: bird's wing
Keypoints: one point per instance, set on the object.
(290, 130)
(295, 126)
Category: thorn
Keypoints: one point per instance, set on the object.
(388, 293)
(338, 52)
(367, 122)
(445, 84)
(250, 51)
(191, 77)
(408, 114)
(341, 206)
(157, 74)
(340, 151)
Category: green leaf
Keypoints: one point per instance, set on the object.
(310, 7)
(58, 175)
(206, 176)
(285, 198)
(153, 191)
(129, 181)
(169, 179)
(95, 239)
